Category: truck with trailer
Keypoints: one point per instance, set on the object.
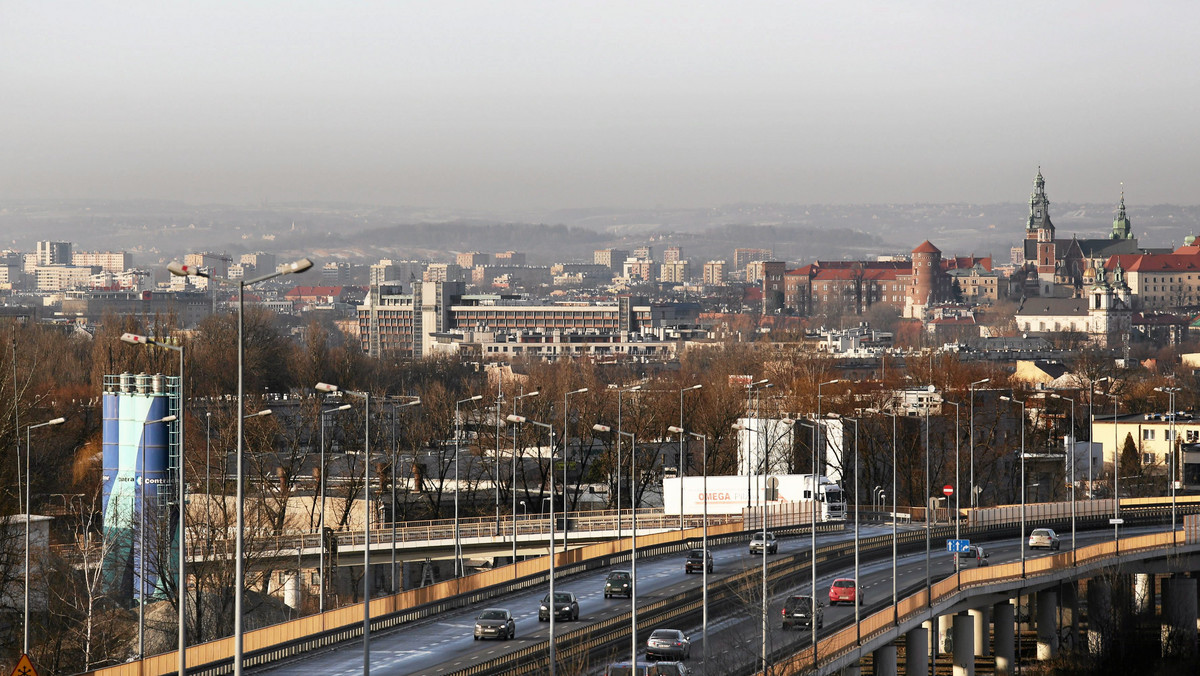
(732, 494)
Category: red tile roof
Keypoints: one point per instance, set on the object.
(926, 247)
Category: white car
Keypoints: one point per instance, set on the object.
(1043, 537)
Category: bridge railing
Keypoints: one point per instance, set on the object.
(919, 603)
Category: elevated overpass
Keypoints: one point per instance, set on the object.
(290, 639)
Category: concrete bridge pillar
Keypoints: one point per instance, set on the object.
(1179, 616)
(1069, 602)
(964, 645)
(885, 660)
(1004, 645)
(945, 624)
(982, 620)
(1047, 624)
(916, 651)
(1143, 595)
(1100, 618)
(852, 670)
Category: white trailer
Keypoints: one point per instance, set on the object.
(732, 494)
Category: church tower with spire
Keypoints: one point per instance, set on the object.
(1040, 231)
(1122, 228)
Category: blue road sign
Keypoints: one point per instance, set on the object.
(957, 546)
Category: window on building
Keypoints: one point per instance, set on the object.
(1147, 435)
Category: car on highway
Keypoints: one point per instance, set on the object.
(696, 561)
(668, 644)
(495, 623)
(798, 611)
(1043, 538)
(618, 583)
(566, 607)
(978, 553)
(648, 669)
(756, 543)
(843, 590)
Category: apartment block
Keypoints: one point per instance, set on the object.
(610, 258)
(644, 252)
(258, 263)
(509, 258)
(107, 261)
(638, 268)
(672, 254)
(469, 260)
(743, 257)
(675, 272)
(53, 253)
(216, 264)
(715, 273)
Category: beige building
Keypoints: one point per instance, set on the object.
(610, 258)
(676, 272)
(715, 273)
(108, 261)
(471, 259)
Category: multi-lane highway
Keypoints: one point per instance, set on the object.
(445, 643)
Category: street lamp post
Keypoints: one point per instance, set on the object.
(366, 397)
(566, 439)
(703, 540)
(1022, 537)
(812, 559)
(142, 536)
(635, 388)
(29, 517)
(633, 537)
(1171, 462)
(415, 401)
(321, 488)
(518, 419)
(181, 585)
(458, 571)
(971, 480)
(957, 492)
(1071, 450)
(750, 392)
(682, 464)
(181, 270)
(513, 479)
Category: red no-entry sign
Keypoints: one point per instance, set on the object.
(948, 490)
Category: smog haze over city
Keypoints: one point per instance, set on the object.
(617, 116)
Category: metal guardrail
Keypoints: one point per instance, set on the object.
(315, 631)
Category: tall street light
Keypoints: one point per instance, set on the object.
(971, 481)
(857, 502)
(957, 487)
(458, 571)
(566, 439)
(895, 551)
(1071, 450)
(633, 641)
(29, 517)
(517, 420)
(142, 536)
(415, 401)
(135, 339)
(682, 464)
(1171, 462)
(635, 388)
(366, 397)
(750, 392)
(704, 537)
(513, 479)
(1023, 534)
(321, 527)
(239, 583)
(812, 559)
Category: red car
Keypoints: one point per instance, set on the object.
(844, 591)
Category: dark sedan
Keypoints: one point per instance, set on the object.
(566, 607)
(495, 623)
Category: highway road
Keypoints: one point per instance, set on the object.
(444, 644)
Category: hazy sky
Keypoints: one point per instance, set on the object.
(512, 105)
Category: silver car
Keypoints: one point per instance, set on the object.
(668, 644)
(1043, 537)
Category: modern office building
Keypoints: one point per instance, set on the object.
(108, 261)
